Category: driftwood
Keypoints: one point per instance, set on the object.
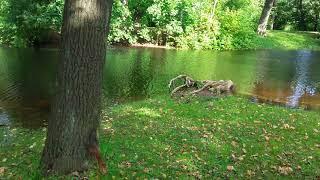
(191, 87)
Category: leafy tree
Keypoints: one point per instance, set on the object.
(297, 15)
(193, 24)
(29, 22)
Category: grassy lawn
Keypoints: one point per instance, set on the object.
(204, 138)
(289, 40)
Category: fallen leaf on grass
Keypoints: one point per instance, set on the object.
(250, 173)
(298, 168)
(234, 144)
(146, 170)
(125, 164)
(286, 126)
(230, 168)
(2, 169)
(267, 138)
(285, 170)
(244, 150)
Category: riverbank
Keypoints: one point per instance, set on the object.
(283, 40)
(289, 40)
(206, 138)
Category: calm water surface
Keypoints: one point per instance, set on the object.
(290, 78)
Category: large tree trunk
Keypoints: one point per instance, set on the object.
(263, 22)
(75, 113)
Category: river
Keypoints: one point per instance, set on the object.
(288, 78)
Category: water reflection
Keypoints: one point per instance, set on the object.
(25, 80)
(286, 77)
(301, 85)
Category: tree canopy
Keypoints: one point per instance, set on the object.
(207, 24)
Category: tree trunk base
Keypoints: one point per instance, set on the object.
(64, 165)
(262, 30)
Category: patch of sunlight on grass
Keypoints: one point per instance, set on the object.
(146, 112)
(290, 40)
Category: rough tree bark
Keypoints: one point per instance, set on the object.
(75, 112)
(263, 22)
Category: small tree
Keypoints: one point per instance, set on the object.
(75, 112)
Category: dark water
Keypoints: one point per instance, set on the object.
(290, 78)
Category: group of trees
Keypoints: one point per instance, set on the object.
(75, 113)
(207, 24)
(302, 15)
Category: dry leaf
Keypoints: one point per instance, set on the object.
(234, 144)
(250, 173)
(2, 169)
(285, 170)
(267, 138)
(230, 168)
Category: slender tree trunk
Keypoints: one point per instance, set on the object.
(302, 22)
(263, 22)
(273, 15)
(316, 22)
(214, 6)
(75, 113)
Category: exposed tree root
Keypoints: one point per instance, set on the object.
(187, 83)
(191, 87)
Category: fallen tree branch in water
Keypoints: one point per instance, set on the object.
(191, 87)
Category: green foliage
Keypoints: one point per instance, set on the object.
(122, 27)
(288, 40)
(191, 24)
(188, 24)
(291, 15)
(28, 21)
(185, 23)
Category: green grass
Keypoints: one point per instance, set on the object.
(289, 40)
(161, 138)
